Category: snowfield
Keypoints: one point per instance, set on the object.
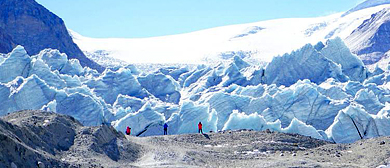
(260, 41)
(321, 90)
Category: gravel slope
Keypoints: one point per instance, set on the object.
(259, 149)
(36, 138)
(54, 140)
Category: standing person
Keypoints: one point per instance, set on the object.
(128, 130)
(165, 129)
(200, 128)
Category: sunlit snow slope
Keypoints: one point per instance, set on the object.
(261, 40)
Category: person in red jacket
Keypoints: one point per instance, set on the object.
(128, 130)
(200, 128)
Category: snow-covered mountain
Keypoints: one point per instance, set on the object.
(259, 41)
(367, 4)
(371, 40)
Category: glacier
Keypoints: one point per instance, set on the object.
(323, 91)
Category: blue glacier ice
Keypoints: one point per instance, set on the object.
(174, 72)
(323, 91)
(252, 121)
(140, 120)
(298, 127)
(351, 124)
(110, 84)
(18, 63)
(336, 51)
(305, 63)
(369, 101)
(161, 86)
(41, 69)
(257, 122)
(59, 61)
(190, 114)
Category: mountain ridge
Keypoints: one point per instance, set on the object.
(27, 23)
(367, 4)
(371, 39)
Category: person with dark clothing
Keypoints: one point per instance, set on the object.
(200, 128)
(165, 129)
(128, 130)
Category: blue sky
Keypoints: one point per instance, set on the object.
(148, 18)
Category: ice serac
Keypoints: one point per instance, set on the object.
(110, 84)
(72, 67)
(59, 61)
(190, 114)
(224, 75)
(161, 86)
(251, 91)
(352, 124)
(70, 81)
(129, 102)
(53, 58)
(369, 101)
(157, 107)
(27, 23)
(125, 105)
(257, 122)
(224, 104)
(339, 53)
(174, 72)
(382, 120)
(333, 90)
(233, 74)
(252, 121)
(304, 102)
(305, 63)
(352, 87)
(193, 76)
(17, 64)
(139, 121)
(299, 127)
(40, 69)
(34, 93)
(241, 64)
(84, 108)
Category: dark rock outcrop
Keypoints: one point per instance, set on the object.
(6, 42)
(371, 40)
(27, 23)
(30, 137)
